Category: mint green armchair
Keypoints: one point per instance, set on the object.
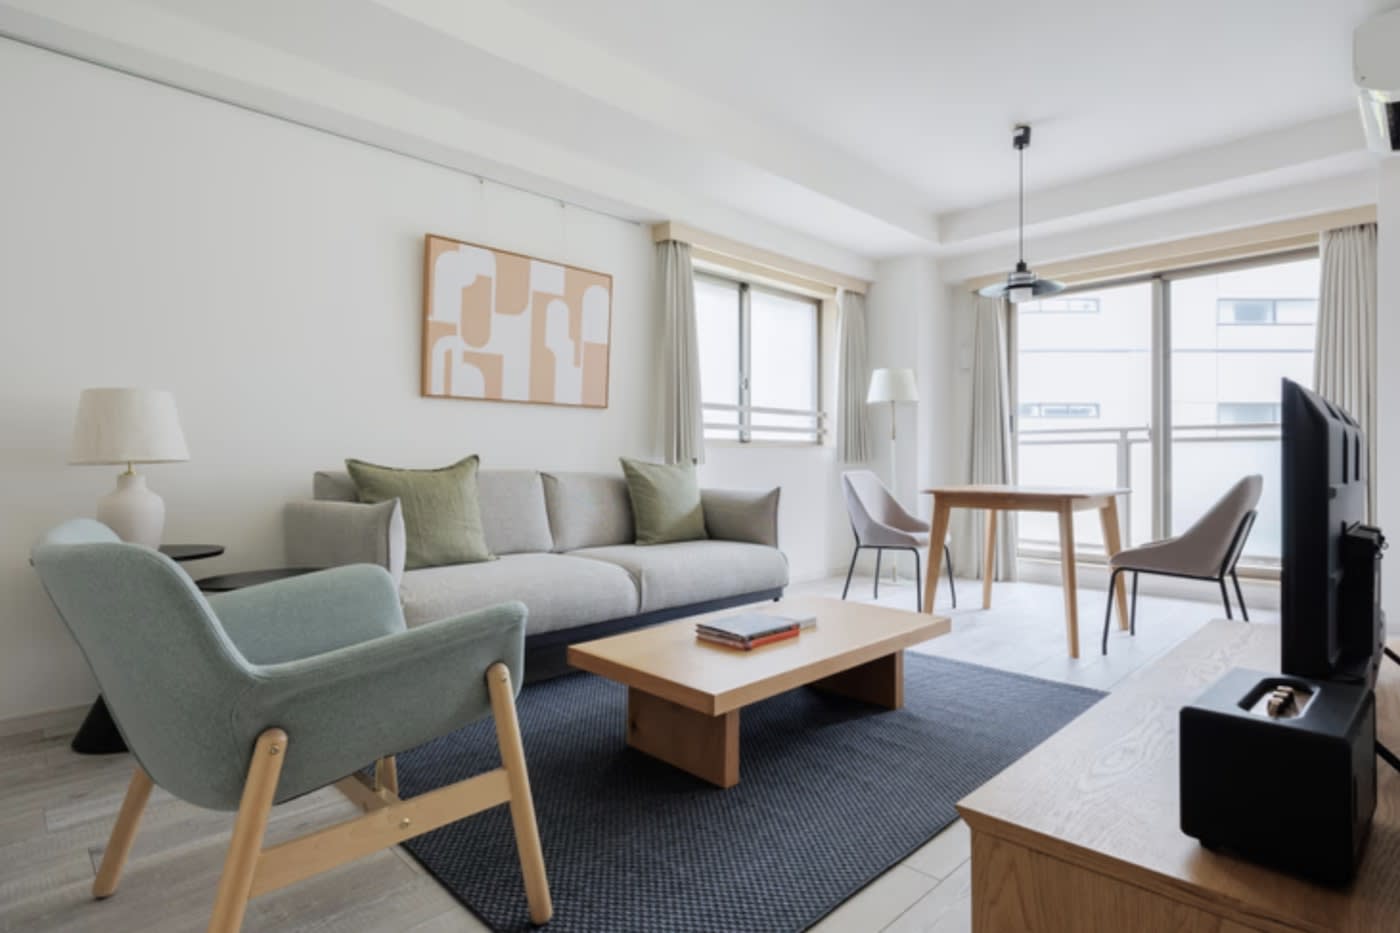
(251, 698)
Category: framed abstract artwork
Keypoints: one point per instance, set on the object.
(505, 327)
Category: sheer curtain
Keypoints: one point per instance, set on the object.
(989, 440)
(684, 421)
(852, 414)
(1344, 367)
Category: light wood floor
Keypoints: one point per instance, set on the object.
(56, 807)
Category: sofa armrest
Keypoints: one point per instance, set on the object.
(742, 515)
(332, 534)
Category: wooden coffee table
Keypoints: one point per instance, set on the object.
(684, 695)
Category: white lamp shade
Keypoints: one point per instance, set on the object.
(892, 385)
(127, 426)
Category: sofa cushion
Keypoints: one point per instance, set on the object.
(441, 509)
(560, 591)
(686, 572)
(587, 510)
(665, 501)
(513, 513)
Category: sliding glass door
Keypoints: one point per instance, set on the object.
(1235, 333)
(1084, 402)
(1167, 386)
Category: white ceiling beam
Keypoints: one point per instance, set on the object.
(1356, 189)
(507, 32)
(1317, 149)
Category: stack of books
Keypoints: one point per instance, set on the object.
(749, 630)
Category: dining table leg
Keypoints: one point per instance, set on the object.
(1113, 543)
(938, 536)
(1070, 579)
(989, 558)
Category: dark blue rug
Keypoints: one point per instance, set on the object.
(832, 793)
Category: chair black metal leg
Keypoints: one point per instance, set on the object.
(1132, 612)
(918, 583)
(879, 553)
(1225, 597)
(1108, 606)
(952, 587)
(1244, 610)
(850, 570)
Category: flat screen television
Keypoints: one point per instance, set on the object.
(1330, 599)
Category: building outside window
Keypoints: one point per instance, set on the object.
(760, 352)
(1175, 394)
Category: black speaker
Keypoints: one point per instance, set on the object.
(1281, 770)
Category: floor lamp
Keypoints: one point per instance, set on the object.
(895, 386)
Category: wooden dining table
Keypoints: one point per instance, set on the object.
(1063, 501)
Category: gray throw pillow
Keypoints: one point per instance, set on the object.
(441, 509)
(665, 502)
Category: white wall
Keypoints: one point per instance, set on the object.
(911, 326)
(270, 277)
(1388, 380)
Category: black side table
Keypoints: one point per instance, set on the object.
(227, 582)
(98, 734)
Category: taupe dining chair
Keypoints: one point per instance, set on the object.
(1208, 550)
(881, 524)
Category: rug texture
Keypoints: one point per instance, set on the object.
(832, 793)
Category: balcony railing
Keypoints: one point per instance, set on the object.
(748, 423)
(1205, 459)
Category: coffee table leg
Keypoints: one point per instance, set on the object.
(705, 746)
(879, 682)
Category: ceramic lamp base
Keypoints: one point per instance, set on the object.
(134, 512)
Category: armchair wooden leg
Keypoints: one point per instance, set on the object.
(386, 774)
(522, 805)
(123, 834)
(236, 883)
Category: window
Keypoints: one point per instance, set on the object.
(1248, 412)
(1176, 394)
(759, 362)
(1078, 304)
(1059, 409)
(1288, 311)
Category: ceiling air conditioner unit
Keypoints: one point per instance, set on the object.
(1376, 68)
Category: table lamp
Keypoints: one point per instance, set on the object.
(129, 426)
(893, 386)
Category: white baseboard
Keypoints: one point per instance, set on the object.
(55, 722)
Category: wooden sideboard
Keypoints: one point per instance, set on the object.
(1083, 833)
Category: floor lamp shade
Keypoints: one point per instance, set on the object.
(128, 426)
(892, 385)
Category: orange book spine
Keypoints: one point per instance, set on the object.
(776, 636)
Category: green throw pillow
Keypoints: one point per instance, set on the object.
(441, 511)
(665, 502)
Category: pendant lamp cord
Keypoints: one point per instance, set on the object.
(1021, 208)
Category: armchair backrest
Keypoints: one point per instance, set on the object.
(1217, 536)
(872, 508)
(168, 671)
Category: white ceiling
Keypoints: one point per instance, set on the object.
(927, 91)
(844, 130)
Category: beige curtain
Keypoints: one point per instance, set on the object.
(1344, 367)
(989, 457)
(684, 420)
(853, 377)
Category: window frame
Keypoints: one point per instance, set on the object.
(745, 429)
(1160, 422)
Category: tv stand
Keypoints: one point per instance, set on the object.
(1083, 832)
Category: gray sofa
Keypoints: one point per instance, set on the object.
(564, 547)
